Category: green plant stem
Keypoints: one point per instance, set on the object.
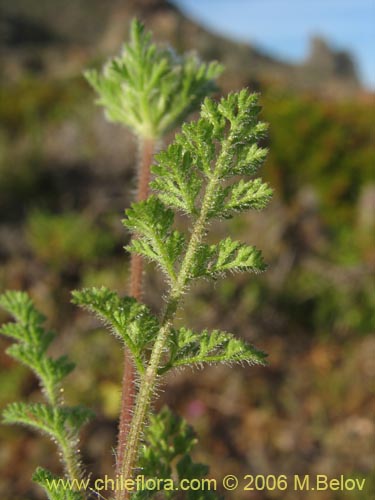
(71, 459)
(149, 379)
(147, 149)
(70, 456)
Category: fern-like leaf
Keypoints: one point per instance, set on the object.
(191, 348)
(50, 371)
(129, 320)
(21, 307)
(243, 195)
(151, 89)
(214, 260)
(59, 422)
(177, 184)
(33, 342)
(152, 222)
(165, 454)
(53, 486)
(223, 143)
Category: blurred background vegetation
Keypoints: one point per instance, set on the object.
(65, 178)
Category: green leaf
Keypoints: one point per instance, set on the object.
(191, 348)
(151, 89)
(54, 486)
(240, 113)
(59, 422)
(211, 114)
(196, 138)
(176, 182)
(248, 159)
(248, 194)
(152, 222)
(187, 469)
(21, 307)
(241, 196)
(50, 371)
(241, 109)
(165, 454)
(33, 342)
(129, 320)
(28, 333)
(235, 256)
(167, 436)
(221, 144)
(228, 255)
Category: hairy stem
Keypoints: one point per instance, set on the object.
(71, 460)
(150, 377)
(70, 456)
(147, 148)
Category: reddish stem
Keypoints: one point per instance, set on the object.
(136, 277)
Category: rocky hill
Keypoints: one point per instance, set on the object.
(44, 37)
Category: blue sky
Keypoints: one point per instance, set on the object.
(283, 27)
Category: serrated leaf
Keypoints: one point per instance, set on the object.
(168, 443)
(33, 342)
(129, 320)
(248, 194)
(242, 156)
(187, 469)
(191, 348)
(151, 89)
(240, 196)
(196, 139)
(235, 256)
(248, 160)
(28, 333)
(210, 112)
(218, 203)
(176, 182)
(167, 436)
(51, 485)
(50, 371)
(59, 422)
(152, 222)
(223, 143)
(241, 109)
(227, 255)
(151, 211)
(21, 307)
